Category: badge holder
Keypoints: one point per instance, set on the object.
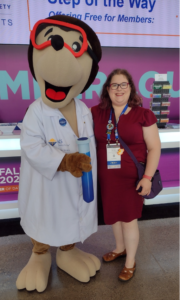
(113, 150)
(113, 156)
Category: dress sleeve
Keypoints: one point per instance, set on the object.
(148, 118)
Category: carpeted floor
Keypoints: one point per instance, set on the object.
(156, 276)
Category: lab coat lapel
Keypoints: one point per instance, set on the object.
(81, 112)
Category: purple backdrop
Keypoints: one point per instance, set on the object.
(140, 62)
(169, 169)
(9, 178)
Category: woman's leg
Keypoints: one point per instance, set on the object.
(131, 241)
(118, 234)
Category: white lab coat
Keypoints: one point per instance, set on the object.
(51, 205)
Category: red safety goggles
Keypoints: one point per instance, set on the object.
(83, 38)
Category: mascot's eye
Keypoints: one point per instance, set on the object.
(50, 37)
(76, 47)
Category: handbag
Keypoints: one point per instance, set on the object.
(156, 179)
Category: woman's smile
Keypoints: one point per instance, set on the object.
(119, 96)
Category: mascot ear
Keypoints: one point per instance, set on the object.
(92, 76)
(30, 52)
(92, 39)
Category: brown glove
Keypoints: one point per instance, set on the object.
(75, 163)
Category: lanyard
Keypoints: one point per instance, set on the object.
(110, 126)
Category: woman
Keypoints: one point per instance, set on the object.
(122, 204)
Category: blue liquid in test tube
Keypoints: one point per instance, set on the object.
(87, 181)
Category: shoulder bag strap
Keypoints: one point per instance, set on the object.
(138, 165)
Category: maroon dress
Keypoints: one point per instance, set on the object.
(120, 199)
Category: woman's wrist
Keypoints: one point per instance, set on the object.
(147, 177)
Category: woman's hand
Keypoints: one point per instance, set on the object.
(146, 186)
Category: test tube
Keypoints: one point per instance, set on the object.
(87, 181)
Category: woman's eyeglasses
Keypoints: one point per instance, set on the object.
(123, 85)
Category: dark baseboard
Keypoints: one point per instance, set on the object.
(13, 227)
(160, 211)
(10, 227)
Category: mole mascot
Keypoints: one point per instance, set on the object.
(63, 57)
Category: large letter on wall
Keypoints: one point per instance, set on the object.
(142, 83)
(174, 94)
(21, 79)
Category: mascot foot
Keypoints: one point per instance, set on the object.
(78, 264)
(35, 274)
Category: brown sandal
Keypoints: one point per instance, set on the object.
(112, 256)
(127, 273)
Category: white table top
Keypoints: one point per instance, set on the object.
(10, 144)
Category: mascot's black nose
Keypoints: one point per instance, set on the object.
(57, 42)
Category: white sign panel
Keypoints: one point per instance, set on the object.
(160, 77)
(118, 23)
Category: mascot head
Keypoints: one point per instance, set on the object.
(63, 57)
